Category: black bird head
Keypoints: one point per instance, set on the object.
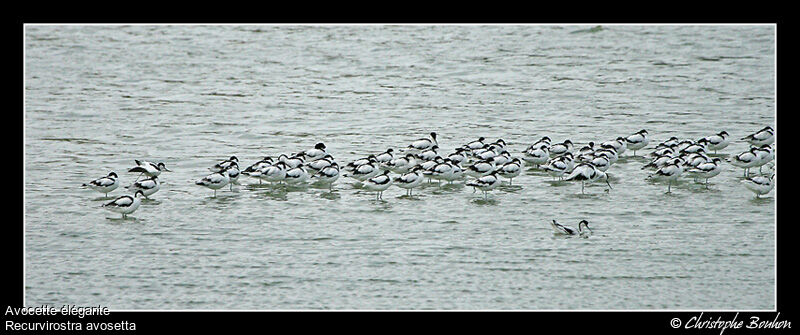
(320, 146)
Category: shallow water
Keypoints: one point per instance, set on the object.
(98, 97)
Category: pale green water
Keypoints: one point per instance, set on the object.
(98, 97)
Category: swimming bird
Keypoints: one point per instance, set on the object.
(423, 143)
(637, 141)
(586, 172)
(706, 170)
(583, 229)
(147, 186)
(410, 180)
(486, 183)
(760, 185)
(379, 184)
(148, 168)
(104, 184)
(125, 204)
(669, 172)
(761, 137)
(328, 175)
(718, 142)
(215, 181)
(510, 170)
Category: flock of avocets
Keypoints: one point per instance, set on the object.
(485, 162)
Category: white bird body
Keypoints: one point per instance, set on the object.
(560, 148)
(537, 155)
(719, 141)
(296, 175)
(511, 170)
(587, 173)
(481, 168)
(148, 168)
(379, 184)
(486, 183)
(328, 174)
(583, 229)
(410, 180)
(762, 137)
(104, 184)
(760, 185)
(125, 204)
(215, 181)
(423, 143)
(637, 141)
(402, 164)
(147, 186)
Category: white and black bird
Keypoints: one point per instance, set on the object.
(706, 170)
(125, 204)
(765, 155)
(296, 175)
(587, 173)
(423, 143)
(148, 168)
(440, 171)
(273, 173)
(401, 164)
(410, 180)
(637, 141)
(314, 154)
(224, 164)
(104, 184)
(379, 184)
(292, 161)
(458, 157)
(557, 167)
(760, 185)
(481, 168)
(428, 154)
(583, 229)
(477, 144)
(669, 172)
(745, 160)
(620, 144)
(486, 183)
(257, 166)
(148, 186)
(510, 170)
(365, 171)
(215, 181)
(320, 163)
(561, 148)
(764, 136)
(537, 155)
(718, 142)
(328, 175)
(385, 157)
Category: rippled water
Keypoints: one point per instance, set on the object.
(98, 97)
